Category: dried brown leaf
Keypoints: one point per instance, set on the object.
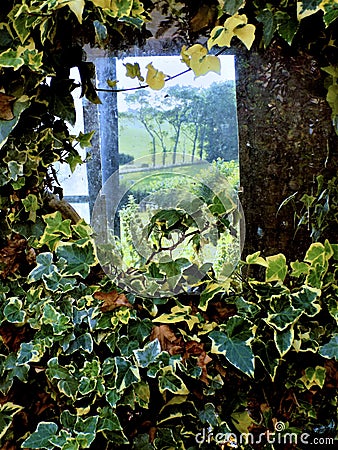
(6, 106)
(168, 340)
(112, 300)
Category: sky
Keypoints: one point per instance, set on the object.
(171, 65)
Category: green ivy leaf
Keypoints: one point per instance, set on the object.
(148, 354)
(80, 257)
(276, 268)
(13, 311)
(41, 437)
(209, 416)
(330, 350)
(140, 329)
(299, 268)
(266, 17)
(234, 344)
(31, 205)
(287, 26)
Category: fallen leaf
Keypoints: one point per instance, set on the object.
(6, 106)
(168, 340)
(112, 300)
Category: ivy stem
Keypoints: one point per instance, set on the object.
(144, 86)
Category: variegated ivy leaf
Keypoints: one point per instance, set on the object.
(255, 258)
(7, 411)
(307, 300)
(276, 268)
(13, 311)
(314, 376)
(284, 314)
(330, 350)
(179, 314)
(319, 254)
(148, 354)
(41, 438)
(169, 381)
(77, 6)
(80, 257)
(233, 341)
(284, 340)
(126, 373)
(44, 266)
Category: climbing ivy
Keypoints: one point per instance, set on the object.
(85, 365)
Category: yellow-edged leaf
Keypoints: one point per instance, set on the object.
(77, 6)
(155, 78)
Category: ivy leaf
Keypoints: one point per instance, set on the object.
(330, 350)
(318, 254)
(85, 138)
(58, 321)
(266, 17)
(305, 299)
(196, 57)
(314, 376)
(234, 344)
(6, 126)
(208, 294)
(126, 373)
(169, 381)
(10, 58)
(77, 6)
(108, 420)
(284, 340)
(255, 258)
(231, 6)
(299, 268)
(7, 411)
(287, 26)
(140, 329)
(284, 313)
(148, 354)
(44, 266)
(13, 311)
(31, 205)
(80, 257)
(236, 25)
(276, 269)
(306, 8)
(134, 71)
(209, 416)
(40, 439)
(155, 78)
(179, 314)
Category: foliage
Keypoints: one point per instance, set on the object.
(318, 211)
(84, 365)
(111, 368)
